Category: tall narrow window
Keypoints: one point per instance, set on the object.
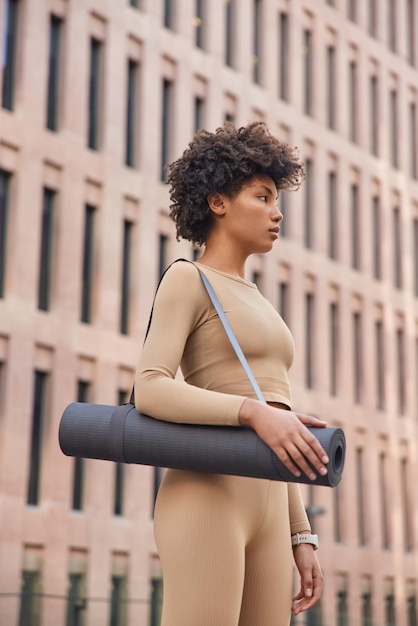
(4, 210)
(392, 24)
(357, 356)
(406, 509)
(158, 476)
(380, 365)
(199, 109)
(168, 17)
(257, 279)
(416, 371)
(284, 56)
(342, 608)
(38, 417)
(361, 518)
(374, 116)
(376, 234)
(118, 603)
(337, 513)
(372, 17)
(96, 53)
(413, 147)
(309, 329)
(366, 609)
(355, 227)
(415, 254)
(314, 615)
(384, 511)
(330, 57)
(283, 202)
(352, 105)
(166, 125)
(156, 601)
(30, 598)
(412, 614)
(131, 107)
(11, 9)
(88, 258)
(76, 600)
(45, 264)
(78, 480)
(126, 276)
(162, 255)
(283, 300)
(410, 30)
(55, 37)
(332, 215)
(390, 615)
(2, 374)
(200, 23)
(119, 489)
(333, 348)
(393, 126)
(308, 203)
(352, 10)
(230, 18)
(307, 71)
(397, 248)
(257, 25)
(401, 377)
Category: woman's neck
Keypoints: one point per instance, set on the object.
(223, 263)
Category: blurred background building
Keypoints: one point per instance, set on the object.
(96, 98)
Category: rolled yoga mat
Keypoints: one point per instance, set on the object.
(122, 434)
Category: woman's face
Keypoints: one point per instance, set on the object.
(251, 217)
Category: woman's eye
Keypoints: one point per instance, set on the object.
(263, 198)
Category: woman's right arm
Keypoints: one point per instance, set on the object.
(285, 433)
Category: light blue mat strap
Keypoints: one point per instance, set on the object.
(231, 335)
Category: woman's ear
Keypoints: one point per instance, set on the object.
(216, 203)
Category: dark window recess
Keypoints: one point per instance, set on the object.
(88, 258)
(11, 12)
(126, 276)
(131, 105)
(96, 48)
(55, 36)
(166, 126)
(4, 210)
(45, 264)
(38, 417)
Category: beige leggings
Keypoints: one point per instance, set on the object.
(224, 545)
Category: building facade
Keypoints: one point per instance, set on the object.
(96, 98)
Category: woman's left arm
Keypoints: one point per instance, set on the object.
(311, 578)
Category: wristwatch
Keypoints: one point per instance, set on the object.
(305, 538)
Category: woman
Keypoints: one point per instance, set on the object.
(225, 541)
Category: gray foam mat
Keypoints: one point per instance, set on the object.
(123, 434)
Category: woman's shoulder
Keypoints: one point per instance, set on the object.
(181, 279)
(182, 289)
(181, 271)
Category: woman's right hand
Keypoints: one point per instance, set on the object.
(286, 434)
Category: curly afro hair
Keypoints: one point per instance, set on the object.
(221, 162)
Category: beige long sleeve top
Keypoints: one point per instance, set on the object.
(186, 332)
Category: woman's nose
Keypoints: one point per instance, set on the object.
(277, 215)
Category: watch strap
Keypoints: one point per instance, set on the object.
(305, 538)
